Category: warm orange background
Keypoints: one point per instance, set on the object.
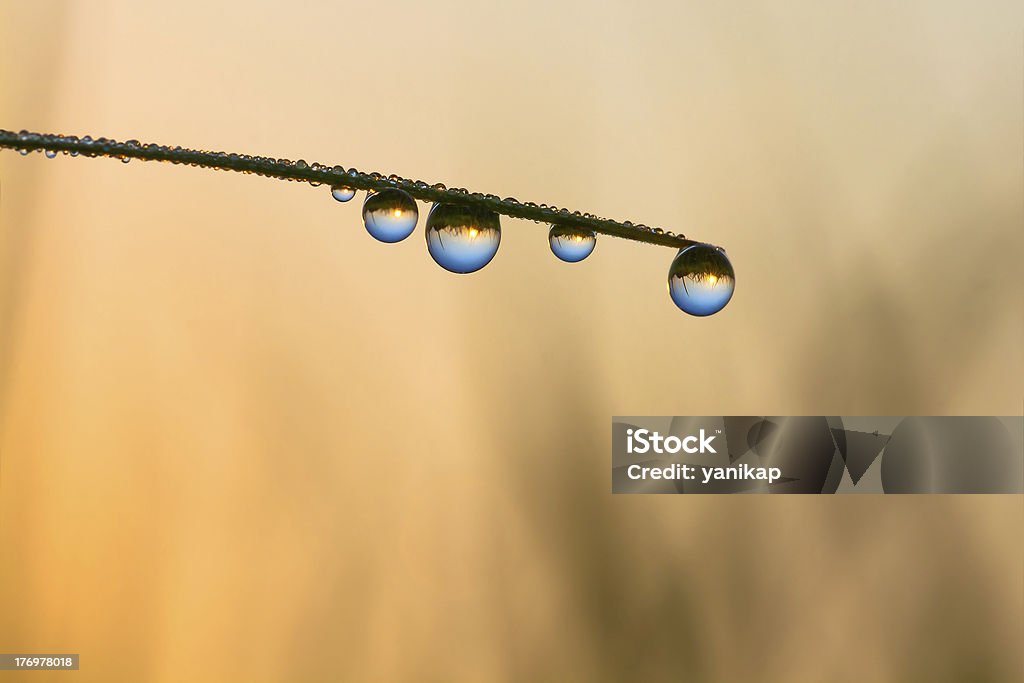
(241, 441)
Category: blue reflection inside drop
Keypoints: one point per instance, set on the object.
(701, 280)
(390, 215)
(570, 244)
(462, 239)
(342, 193)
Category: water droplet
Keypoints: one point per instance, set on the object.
(342, 193)
(462, 239)
(571, 244)
(390, 215)
(50, 154)
(701, 280)
(23, 152)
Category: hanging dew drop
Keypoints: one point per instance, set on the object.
(701, 280)
(342, 193)
(50, 154)
(462, 239)
(571, 244)
(390, 215)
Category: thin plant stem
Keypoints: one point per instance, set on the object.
(319, 174)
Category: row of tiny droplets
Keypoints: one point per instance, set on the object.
(315, 174)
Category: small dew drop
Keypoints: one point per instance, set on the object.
(462, 239)
(701, 280)
(571, 244)
(50, 154)
(342, 193)
(390, 215)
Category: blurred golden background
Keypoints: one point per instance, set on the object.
(242, 441)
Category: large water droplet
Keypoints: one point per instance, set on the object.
(390, 215)
(462, 239)
(701, 280)
(571, 244)
(342, 193)
(50, 154)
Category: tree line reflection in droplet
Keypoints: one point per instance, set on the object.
(462, 239)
